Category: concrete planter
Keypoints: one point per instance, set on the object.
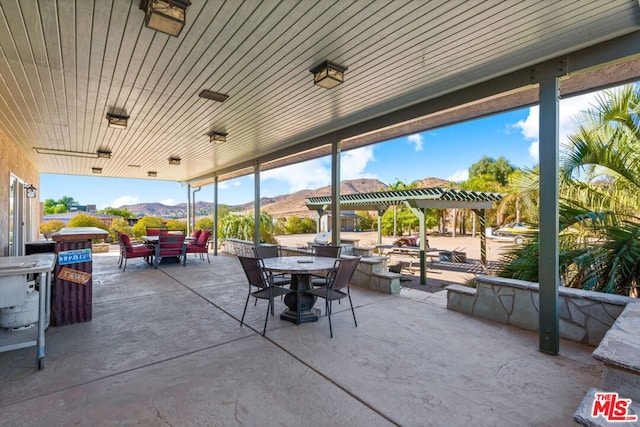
(99, 247)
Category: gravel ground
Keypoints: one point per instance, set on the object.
(439, 274)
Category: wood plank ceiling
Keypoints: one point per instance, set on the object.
(65, 64)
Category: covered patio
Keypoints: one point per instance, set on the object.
(165, 347)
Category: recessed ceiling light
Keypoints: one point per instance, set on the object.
(152, 174)
(214, 96)
(96, 170)
(133, 166)
(174, 160)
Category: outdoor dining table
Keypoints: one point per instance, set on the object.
(300, 305)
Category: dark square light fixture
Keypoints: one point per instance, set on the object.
(152, 174)
(96, 170)
(174, 160)
(217, 137)
(104, 154)
(31, 191)
(117, 122)
(214, 96)
(167, 16)
(328, 75)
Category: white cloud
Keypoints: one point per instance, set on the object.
(570, 111)
(223, 185)
(317, 173)
(168, 202)
(534, 150)
(124, 200)
(354, 162)
(459, 175)
(416, 140)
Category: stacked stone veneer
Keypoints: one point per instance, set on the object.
(372, 272)
(619, 350)
(585, 316)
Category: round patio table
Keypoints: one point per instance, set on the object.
(300, 306)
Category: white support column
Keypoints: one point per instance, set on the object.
(335, 193)
(215, 215)
(256, 204)
(189, 210)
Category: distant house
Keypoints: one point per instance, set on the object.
(66, 217)
(348, 221)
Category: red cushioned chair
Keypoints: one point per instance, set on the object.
(200, 246)
(128, 250)
(169, 245)
(152, 231)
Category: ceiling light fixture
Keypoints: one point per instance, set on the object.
(96, 170)
(174, 160)
(104, 154)
(152, 174)
(167, 16)
(217, 137)
(117, 122)
(328, 75)
(214, 96)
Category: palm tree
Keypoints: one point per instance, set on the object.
(599, 201)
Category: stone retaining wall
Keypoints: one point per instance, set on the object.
(585, 316)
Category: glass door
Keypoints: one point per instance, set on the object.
(17, 216)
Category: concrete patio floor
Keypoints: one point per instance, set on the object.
(165, 347)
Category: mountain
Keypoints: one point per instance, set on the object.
(279, 206)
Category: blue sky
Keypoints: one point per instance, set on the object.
(445, 153)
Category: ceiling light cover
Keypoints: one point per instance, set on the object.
(152, 174)
(174, 160)
(116, 121)
(217, 137)
(167, 16)
(96, 170)
(214, 96)
(328, 75)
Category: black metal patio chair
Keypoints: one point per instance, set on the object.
(258, 278)
(339, 280)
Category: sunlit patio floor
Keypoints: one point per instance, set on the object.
(165, 347)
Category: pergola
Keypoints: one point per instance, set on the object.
(418, 200)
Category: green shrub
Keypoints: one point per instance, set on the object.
(140, 229)
(86, 220)
(50, 227)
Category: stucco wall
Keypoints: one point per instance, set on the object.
(13, 160)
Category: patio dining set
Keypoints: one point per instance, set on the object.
(159, 244)
(300, 280)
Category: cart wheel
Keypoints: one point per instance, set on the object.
(518, 240)
(41, 363)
